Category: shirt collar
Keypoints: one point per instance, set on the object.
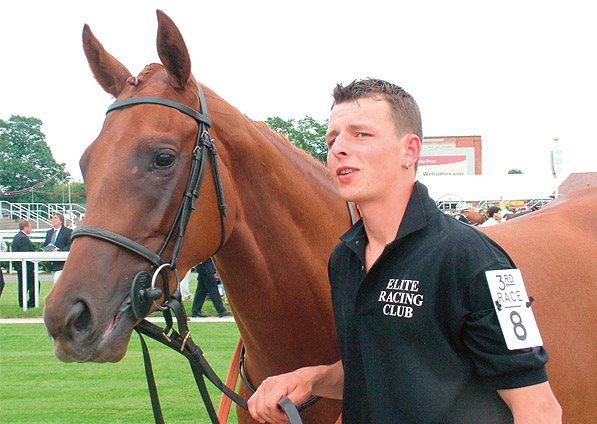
(418, 212)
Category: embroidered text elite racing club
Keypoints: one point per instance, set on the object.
(400, 297)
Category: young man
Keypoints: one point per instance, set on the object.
(22, 243)
(59, 236)
(419, 337)
(494, 216)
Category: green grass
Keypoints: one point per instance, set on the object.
(9, 301)
(35, 387)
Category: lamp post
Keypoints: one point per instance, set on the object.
(70, 205)
(556, 164)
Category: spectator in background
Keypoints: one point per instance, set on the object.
(185, 294)
(3, 248)
(206, 283)
(493, 216)
(59, 236)
(21, 243)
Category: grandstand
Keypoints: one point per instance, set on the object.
(39, 214)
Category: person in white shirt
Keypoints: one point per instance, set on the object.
(494, 216)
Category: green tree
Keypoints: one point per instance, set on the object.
(60, 193)
(25, 158)
(515, 171)
(306, 133)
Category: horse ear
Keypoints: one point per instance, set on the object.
(173, 51)
(109, 73)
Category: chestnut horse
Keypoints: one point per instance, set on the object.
(283, 218)
(555, 249)
(474, 216)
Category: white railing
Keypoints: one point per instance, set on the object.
(40, 214)
(35, 236)
(34, 257)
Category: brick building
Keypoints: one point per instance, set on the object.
(451, 155)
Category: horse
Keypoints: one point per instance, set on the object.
(554, 248)
(283, 218)
(474, 216)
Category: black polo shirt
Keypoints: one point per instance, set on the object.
(419, 337)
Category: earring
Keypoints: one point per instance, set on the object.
(407, 166)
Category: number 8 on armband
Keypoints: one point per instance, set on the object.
(513, 309)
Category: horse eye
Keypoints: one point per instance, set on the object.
(163, 160)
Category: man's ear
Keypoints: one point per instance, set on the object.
(413, 146)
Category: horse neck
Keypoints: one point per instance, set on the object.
(274, 180)
(274, 264)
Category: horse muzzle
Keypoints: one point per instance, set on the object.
(80, 335)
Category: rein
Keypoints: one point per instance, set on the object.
(144, 293)
(183, 343)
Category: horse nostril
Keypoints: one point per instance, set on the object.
(79, 319)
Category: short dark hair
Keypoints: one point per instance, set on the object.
(23, 224)
(492, 210)
(404, 111)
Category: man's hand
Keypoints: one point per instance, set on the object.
(298, 386)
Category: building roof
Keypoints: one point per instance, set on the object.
(576, 181)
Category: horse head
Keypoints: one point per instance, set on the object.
(134, 174)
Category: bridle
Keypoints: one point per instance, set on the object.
(144, 292)
(203, 145)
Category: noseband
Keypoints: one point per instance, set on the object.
(143, 292)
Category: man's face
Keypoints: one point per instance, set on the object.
(27, 229)
(364, 153)
(56, 221)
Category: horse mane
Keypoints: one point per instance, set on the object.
(275, 136)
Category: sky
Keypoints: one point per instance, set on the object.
(518, 73)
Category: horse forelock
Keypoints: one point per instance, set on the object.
(148, 71)
(148, 74)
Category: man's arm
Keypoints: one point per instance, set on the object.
(66, 233)
(533, 404)
(323, 380)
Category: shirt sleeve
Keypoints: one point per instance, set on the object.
(497, 366)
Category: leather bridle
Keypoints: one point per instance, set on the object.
(203, 145)
(143, 289)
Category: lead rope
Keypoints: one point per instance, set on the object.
(153, 391)
(183, 343)
(242, 372)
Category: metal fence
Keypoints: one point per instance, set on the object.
(40, 214)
